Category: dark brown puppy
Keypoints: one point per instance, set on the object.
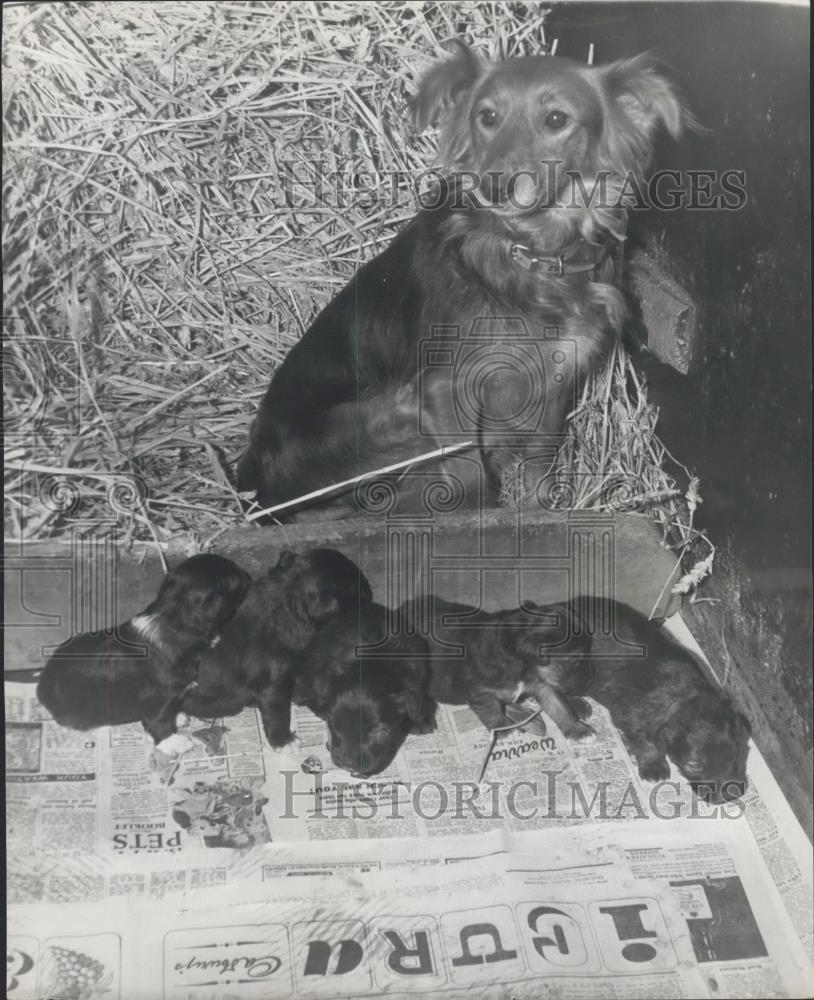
(255, 660)
(665, 707)
(370, 686)
(138, 672)
(495, 658)
(537, 151)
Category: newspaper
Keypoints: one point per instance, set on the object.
(146, 862)
(613, 913)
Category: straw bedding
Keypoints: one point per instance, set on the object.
(167, 239)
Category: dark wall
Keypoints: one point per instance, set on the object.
(743, 418)
(745, 70)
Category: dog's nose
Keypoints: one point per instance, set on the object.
(523, 191)
(519, 188)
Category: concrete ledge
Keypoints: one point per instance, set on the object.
(493, 559)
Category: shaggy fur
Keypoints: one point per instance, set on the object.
(493, 659)
(665, 707)
(359, 390)
(255, 661)
(139, 672)
(371, 698)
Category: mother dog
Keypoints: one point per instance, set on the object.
(481, 318)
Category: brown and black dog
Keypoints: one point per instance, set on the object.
(372, 679)
(493, 659)
(370, 684)
(664, 706)
(481, 318)
(255, 662)
(138, 672)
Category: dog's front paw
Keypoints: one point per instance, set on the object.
(164, 765)
(581, 708)
(421, 727)
(288, 745)
(159, 761)
(654, 769)
(182, 722)
(175, 746)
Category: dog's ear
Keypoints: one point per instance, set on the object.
(647, 97)
(640, 99)
(670, 730)
(286, 559)
(319, 605)
(445, 85)
(531, 641)
(411, 701)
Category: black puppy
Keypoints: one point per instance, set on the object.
(370, 685)
(665, 707)
(496, 658)
(254, 662)
(139, 672)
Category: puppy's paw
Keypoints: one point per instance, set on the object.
(581, 708)
(182, 722)
(581, 732)
(421, 727)
(654, 769)
(163, 765)
(175, 746)
(292, 745)
(159, 761)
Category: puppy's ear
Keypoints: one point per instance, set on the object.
(445, 85)
(412, 702)
(286, 559)
(532, 642)
(243, 584)
(669, 731)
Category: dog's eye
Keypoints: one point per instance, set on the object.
(487, 117)
(556, 120)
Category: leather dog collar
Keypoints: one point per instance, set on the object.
(553, 264)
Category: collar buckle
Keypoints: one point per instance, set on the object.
(536, 262)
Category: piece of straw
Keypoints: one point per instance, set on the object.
(385, 470)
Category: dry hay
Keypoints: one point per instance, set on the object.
(157, 269)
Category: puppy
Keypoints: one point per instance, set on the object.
(537, 153)
(496, 658)
(370, 686)
(138, 672)
(254, 663)
(664, 706)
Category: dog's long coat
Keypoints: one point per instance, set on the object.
(363, 387)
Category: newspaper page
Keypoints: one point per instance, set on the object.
(613, 913)
(92, 825)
